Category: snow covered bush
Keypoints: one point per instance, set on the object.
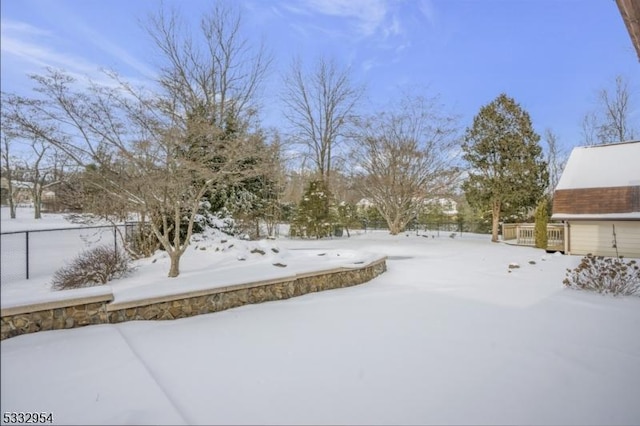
(93, 267)
(606, 275)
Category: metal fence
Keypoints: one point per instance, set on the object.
(431, 227)
(39, 253)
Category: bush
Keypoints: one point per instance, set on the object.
(93, 267)
(606, 275)
(541, 225)
(314, 217)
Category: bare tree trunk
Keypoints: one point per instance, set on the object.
(40, 148)
(495, 223)
(394, 226)
(7, 165)
(37, 202)
(12, 205)
(174, 270)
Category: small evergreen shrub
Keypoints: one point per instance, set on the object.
(542, 217)
(606, 275)
(93, 267)
(313, 218)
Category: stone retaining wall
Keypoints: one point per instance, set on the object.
(71, 314)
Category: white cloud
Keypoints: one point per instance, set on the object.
(367, 15)
(114, 50)
(428, 10)
(369, 64)
(33, 45)
(31, 49)
(393, 28)
(9, 26)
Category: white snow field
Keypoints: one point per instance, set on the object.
(446, 336)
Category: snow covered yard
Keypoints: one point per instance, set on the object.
(446, 336)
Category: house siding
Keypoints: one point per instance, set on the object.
(623, 199)
(596, 237)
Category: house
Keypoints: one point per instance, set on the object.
(23, 193)
(598, 200)
(364, 203)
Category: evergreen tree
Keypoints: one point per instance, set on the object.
(542, 217)
(507, 170)
(347, 215)
(313, 217)
(373, 219)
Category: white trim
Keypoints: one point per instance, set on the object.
(602, 216)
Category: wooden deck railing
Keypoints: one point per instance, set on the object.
(523, 234)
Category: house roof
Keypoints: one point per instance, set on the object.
(630, 11)
(602, 166)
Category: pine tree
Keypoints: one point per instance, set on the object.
(542, 217)
(313, 217)
(507, 170)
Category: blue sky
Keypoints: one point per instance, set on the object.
(551, 56)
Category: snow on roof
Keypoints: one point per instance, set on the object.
(602, 166)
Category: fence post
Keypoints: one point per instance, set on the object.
(27, 254)
(115, 240)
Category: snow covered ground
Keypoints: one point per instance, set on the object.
(446, 336)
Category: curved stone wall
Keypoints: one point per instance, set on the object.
(102, 310)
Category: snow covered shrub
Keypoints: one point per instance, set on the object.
(93, 267)
(606, 275)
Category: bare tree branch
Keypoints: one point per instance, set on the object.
(320, 105)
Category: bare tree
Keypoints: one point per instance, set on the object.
(616, 106)
(36, 165)
(556, 159)
(8, 164)
(590, 128)
(62, 175)
(407, 156)
(214, 71)
(276, 174)
(610, 122)
(320, 104)
(133, 155)
(39, 174)
(158, 153)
